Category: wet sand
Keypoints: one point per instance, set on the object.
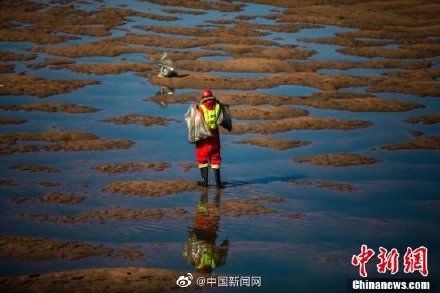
(337, 160)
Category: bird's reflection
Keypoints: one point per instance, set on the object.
(201, 249)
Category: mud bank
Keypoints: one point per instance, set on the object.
(151, 188)
(275, 144)
(58, 141)
(115, 214)
(337, 160)
(326, 185)
(131, 167)
(140, 119)
(53, 197)
(126, 279)
(37, 86)
(299, 123)
(424, 142)
(36, 249)
(35, 168)
(426, 119)
(51, 108)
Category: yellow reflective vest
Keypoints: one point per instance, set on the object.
(211, 116)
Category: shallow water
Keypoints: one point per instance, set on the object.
(392, 207)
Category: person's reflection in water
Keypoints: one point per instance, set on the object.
(201, 250)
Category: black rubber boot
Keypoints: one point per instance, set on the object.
(204, 174)
(218, 181)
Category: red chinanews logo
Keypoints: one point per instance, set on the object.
(413, 260)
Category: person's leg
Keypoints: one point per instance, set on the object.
(215, 159)
(202, 160)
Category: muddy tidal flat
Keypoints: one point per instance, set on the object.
(335, 142)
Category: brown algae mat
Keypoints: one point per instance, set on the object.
(336, 100)
(266, 113)
(50, 107)
(151, 187)
(7, 68)
(103, 68)
(186, 166)
(58, 141)
(44, 20)
(203, 5)
(53, 197)
(144, 120)
(6, 56)
(239, 207)
(424, 142)
(7, 121)
(115, 214)
(36, 86)
(299, 123)
(275, 144)
(35, 168)
(191, 79)
(51, 61)
(337, 160)
(124, 279)
(131, 167)
(326, 185)
(425, 119)
(36, 249)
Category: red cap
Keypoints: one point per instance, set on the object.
(206, 93)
